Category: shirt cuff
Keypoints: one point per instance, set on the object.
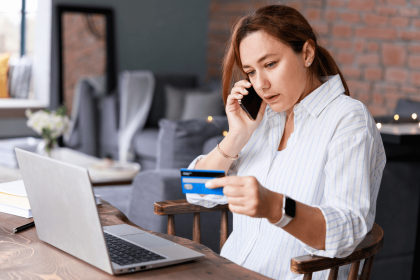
(207, 201)
(194, 163)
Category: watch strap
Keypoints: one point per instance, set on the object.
(285, 219)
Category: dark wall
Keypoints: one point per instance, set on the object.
(162, 36)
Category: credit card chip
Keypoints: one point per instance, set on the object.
(188, 186)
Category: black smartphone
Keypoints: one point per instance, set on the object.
(251, 103)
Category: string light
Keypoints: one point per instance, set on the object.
(225, 132)
(379, 125)
(414, 116)
(209, 118)
(396, 117)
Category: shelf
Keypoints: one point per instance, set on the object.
(9, 103)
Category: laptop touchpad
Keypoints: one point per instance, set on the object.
(148, 240)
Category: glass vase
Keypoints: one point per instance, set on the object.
(52, 152)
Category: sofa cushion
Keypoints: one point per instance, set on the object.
(145, 143)
(198, 105)
(179, 142)
(158, 108)
(175, 99)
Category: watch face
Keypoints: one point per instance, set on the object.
(290, 207)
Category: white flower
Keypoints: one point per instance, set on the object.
(44, 119)
(37, 121)
(28, 113)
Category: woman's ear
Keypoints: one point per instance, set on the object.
(308, 52)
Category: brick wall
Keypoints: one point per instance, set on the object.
(84, 54)
(375, 43)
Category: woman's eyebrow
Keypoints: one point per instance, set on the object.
(259, 60)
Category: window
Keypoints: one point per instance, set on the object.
(17, 34)
(17, 27)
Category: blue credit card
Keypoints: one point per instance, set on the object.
(193, 181)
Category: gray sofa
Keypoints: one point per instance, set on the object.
(145, 141)
(96, 130)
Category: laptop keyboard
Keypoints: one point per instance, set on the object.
(125, 253)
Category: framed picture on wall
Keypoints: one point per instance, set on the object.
(86, 49)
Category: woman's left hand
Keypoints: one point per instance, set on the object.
(247, 196)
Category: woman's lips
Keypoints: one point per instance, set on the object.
(272, 98)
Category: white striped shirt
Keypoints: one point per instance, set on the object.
(334, 161)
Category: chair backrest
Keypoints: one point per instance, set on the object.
(306, 265)
(366, 250)
(181, 206)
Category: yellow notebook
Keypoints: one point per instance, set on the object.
(14, 200)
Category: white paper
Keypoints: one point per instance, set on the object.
(14, 188)
(8, 209)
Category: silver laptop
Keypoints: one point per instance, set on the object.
(66, 216)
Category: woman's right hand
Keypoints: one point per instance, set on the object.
(241, 128)
(240, 124)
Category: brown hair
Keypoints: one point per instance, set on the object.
(286, 24)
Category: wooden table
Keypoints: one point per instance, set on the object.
(24, 256)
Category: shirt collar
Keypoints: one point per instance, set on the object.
(317, 100)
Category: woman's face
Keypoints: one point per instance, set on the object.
(278, 75)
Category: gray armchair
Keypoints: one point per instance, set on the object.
(179, 143)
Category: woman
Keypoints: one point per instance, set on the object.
(311, 143)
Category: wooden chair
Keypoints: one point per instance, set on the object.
(307, 264)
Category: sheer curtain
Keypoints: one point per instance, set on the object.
(41, 69)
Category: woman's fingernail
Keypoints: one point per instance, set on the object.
(245, 91)
(240, 95)
(208, 184)
(248, 84)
